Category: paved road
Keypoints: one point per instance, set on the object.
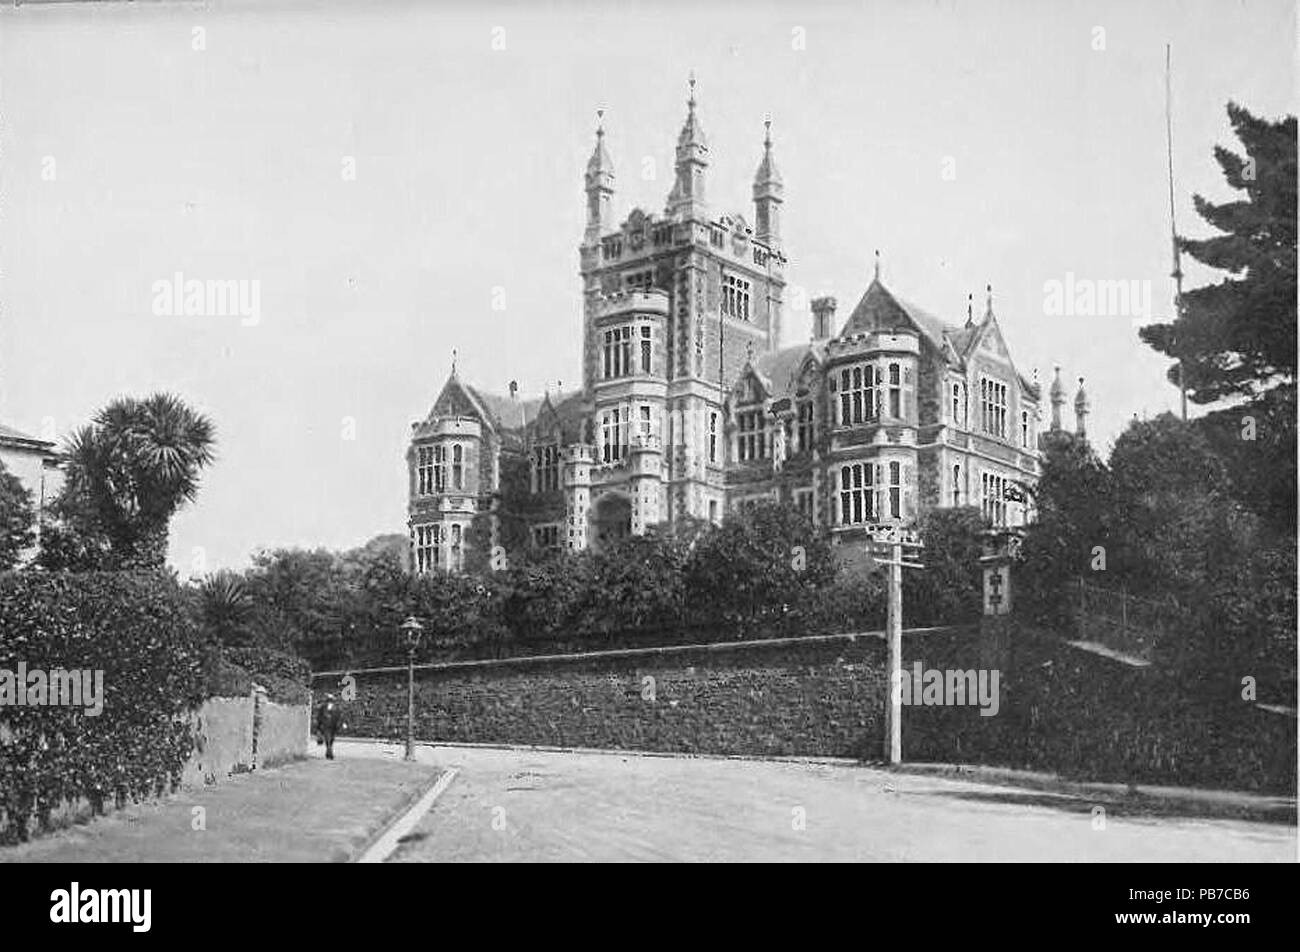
(562, 807)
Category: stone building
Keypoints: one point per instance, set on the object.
(37, 465)
(689, 406)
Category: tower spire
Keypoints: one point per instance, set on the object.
(877, 266)
(599, 182)
(768, 189)
(686, 200)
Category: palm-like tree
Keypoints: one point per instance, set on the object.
(134, 466)
(224, 606)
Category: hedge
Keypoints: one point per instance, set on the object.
(237, 669)
(131, 626)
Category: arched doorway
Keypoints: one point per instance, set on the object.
(611, 518)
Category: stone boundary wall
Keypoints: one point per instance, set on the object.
(815, 696)
(1060, 707)
(234, 735)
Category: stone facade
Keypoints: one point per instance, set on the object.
(689, 406)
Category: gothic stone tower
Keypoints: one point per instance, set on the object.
(673, 307)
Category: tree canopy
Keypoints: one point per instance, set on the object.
(1237, 337)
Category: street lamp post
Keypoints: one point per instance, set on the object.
(412, 630)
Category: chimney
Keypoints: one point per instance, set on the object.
(823, 309)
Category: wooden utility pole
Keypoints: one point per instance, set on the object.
(893, 540)
(1177, 273)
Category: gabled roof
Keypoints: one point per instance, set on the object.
(880, 309)
(11, 437)
(564, 410)
(963, 339)
(507, 413)
(456, 399)
(778, 370)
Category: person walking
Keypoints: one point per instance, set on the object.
(329, 721)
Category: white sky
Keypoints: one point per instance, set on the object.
(226, 163)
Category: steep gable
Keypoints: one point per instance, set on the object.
(988, 339)
(751, 386)
(458, 400)
(880, 310)
(781, 370)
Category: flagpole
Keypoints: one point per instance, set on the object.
(1177, 273)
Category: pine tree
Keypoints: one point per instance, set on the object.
(1238, 337)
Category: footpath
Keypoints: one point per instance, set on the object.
(308, 811)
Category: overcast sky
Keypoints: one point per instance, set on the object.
(128, 154)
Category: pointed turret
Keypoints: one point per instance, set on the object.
(686, 200)
(767, 194)
(600, 186)
(1082, 407)
(1057, 394)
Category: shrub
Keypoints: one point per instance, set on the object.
(135, 629)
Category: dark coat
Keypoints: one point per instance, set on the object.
(329, 718)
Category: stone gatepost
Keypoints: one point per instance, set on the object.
(1001, 552)
(259, 703)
